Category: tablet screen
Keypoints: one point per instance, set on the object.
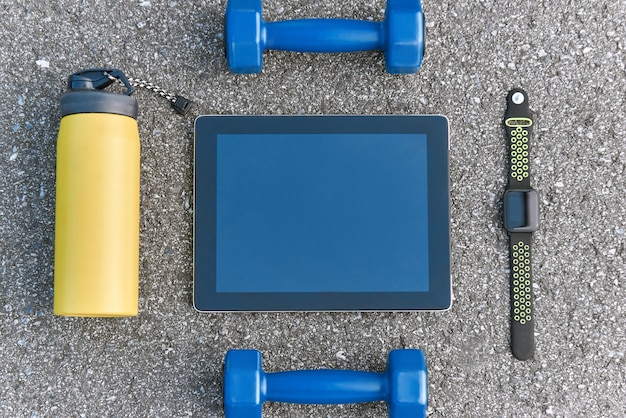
(321, 213)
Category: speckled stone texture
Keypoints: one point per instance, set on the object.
(167, 362)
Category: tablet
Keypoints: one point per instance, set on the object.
(321, 213)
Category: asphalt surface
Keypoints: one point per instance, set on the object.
(167, 362)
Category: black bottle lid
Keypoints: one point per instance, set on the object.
(86, 94)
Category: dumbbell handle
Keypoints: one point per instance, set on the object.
(323, 35)
(324, 386)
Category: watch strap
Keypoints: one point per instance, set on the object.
(522, 315)
(518, 123)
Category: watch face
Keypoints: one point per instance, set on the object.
(521, 210)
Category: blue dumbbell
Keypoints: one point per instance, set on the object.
(404, 386)
(400, 36)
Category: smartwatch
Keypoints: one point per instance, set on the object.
(521, 219)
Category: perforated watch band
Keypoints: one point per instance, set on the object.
(522, 326)
(519, 151)
(521, 219)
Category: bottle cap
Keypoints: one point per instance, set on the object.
(86, 94)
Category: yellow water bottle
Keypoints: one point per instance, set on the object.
(96, 257)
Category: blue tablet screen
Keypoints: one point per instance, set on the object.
(321, 213)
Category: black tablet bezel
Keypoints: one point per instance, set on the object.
(207, 128)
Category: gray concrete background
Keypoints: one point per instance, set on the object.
(167, 362)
